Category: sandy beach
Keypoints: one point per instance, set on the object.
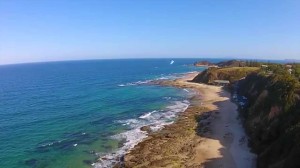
(207, 134)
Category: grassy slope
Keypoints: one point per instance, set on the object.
(246, 69)
(231, 73)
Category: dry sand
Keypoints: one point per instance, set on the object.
(207, 134)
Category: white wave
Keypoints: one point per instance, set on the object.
(132, 137)
(163, 78)
(48, 144)
(192, 72)
(167, 77)
(173, 76)
(156, 120)
(147, 114)
(160, 125)
(167, 98)
(179, 106)
(186, 90)
(130, 122)
(142, 82)
(135, 83)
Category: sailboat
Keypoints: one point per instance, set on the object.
(172, 62)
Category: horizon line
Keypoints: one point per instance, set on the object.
(99, 59)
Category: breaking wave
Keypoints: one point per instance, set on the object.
(156, 120)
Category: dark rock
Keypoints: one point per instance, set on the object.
(88, 162)
(146, 128)
(31, 162)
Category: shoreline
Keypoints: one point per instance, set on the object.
(206, 134)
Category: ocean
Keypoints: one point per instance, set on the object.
(70, 114)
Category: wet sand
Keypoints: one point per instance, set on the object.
(207, 134)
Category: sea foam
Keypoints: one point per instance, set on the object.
(161, 77)
(135, 83)
(156, 120)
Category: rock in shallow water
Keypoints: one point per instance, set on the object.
(147, 129)
(31, 162)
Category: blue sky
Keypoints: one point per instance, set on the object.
(40, 30)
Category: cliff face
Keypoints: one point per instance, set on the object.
(207, 76)
(272, 119)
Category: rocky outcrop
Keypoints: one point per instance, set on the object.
(204, 63)
(207, 76)
(146, 128)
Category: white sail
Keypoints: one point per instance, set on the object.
(172, 62)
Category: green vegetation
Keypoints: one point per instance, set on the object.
(230, 63)
(252, 63)
(272, 118)
(229, 73)
(284, 69)
(296, 71)
(240, 69)
(271, 115)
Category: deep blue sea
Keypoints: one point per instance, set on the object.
(70, 114)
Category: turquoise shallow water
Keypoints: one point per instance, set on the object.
(68, 114)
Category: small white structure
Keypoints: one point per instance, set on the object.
(289, 66)
(221, 82)
(264, 66)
